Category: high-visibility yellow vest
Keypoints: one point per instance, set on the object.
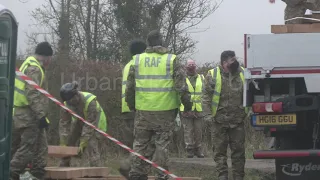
(124, 105)
(216, 77)
(196, 94)
(19, 87)
(154, 82)
(88, 97)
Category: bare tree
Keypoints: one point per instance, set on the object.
(101, 29)
(175, 18)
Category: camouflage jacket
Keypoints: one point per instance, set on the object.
(179, 76)
(294, 2)
(38, 103)
(67, 125)
(230, 110)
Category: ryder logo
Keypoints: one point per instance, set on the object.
(296, 169)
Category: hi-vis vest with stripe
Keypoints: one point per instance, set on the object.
(124, 106)
(196, 94)
(19, 88)
(154, 82)
(88, 97)
(216, 77)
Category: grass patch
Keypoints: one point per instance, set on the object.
(209, 172)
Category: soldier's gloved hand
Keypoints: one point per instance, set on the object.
(83, 145)
(44, 123)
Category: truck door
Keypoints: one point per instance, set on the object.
(8, 43)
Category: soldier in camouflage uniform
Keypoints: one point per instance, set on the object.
(227, 114)
(156, 105)
(193, 123)
(29, 141)
(136, 47)
(72, 129)
(297, 8)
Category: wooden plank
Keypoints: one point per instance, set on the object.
(114, 177)
(75, 172)
(62, 151)
(295, 28)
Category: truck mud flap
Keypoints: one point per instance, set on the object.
(307, 168)
(293, 164)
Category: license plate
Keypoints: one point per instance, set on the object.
(274, 120)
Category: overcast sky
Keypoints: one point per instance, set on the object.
(227, 25)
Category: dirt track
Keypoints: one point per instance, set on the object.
(264, 165)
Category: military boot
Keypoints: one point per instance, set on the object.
(162, 177)
(125, 168)
(198, 153)
(190, 153)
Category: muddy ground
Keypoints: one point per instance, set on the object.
(205, 168)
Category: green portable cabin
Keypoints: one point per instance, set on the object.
(8, 48)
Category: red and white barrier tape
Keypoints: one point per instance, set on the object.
(35, 85)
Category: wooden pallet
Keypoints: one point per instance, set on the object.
(306, 26)
(295, 28)
(62, 151)
(75, 172)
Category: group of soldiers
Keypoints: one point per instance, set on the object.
(156, 88)
(30, 110)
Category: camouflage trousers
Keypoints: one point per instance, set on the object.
(298, 8)
(152, 135)
(92, 151)
(192, 132)
(125, 165)
(29, 145)
(128, 119)
(222, 136)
